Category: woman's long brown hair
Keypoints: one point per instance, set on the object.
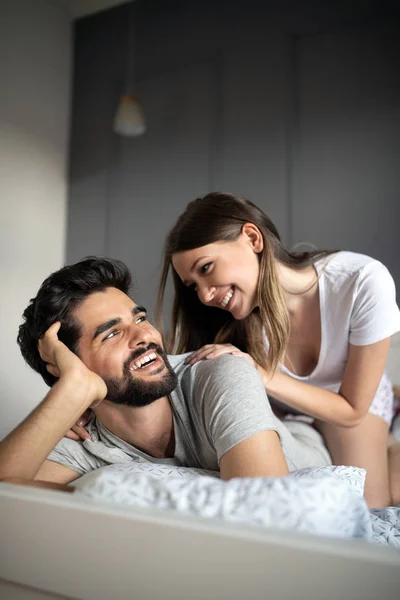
(219, 217)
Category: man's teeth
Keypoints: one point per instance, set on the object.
(226, 298)
(144, 361)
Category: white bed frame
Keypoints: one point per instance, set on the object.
(56, 544)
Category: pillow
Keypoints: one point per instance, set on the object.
(155, 470)
(353, 476)
(316, 502)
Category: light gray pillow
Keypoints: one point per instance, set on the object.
(353, 476)
(316, 502)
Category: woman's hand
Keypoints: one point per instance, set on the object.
(78, 431)
(210, 351)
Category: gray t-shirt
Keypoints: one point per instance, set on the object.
(216, 405)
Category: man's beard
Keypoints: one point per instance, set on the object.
(134, 391)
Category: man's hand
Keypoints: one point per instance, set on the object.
(63, 364)
(24, 451)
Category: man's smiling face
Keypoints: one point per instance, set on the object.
(118, 343)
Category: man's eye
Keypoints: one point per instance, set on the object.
(141, 319)
(110, 335)
(205, 267)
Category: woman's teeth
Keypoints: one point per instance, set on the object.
(226, 298)
(143, 361)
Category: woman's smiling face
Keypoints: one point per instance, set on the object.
(224, 274)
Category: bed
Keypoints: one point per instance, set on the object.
(89, 546)
(55, 544)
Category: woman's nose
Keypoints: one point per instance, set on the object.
(206, 293)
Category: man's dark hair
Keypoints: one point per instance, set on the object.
(58, 297)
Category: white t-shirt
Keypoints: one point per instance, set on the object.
(358, 306)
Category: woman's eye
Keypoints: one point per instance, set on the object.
(141, 319)
(205, 267)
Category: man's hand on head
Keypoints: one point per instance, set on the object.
(64, 364)
(24, 452)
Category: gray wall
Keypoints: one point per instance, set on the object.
(293, 104)
(35, 86)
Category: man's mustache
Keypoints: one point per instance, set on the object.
(140, 351)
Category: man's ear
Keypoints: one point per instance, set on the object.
(253, 236)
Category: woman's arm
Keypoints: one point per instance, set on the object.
(364, 370)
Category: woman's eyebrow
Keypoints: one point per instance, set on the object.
(192, 268)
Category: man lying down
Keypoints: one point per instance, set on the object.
(94, 347)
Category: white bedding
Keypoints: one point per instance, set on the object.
(322, 501)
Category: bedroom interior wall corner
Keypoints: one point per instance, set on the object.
(35, 75)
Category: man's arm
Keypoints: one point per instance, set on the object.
(258, 456)
(51, 471)
(238, 418)
(24, 451)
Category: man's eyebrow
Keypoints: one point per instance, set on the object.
(136, 310)
(106, 326)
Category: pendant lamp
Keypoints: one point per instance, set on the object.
(129, 120)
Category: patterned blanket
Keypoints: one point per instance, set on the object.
(323, 501)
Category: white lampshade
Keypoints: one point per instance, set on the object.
(129, 118)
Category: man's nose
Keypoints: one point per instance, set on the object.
(139, 337)
(206, 293)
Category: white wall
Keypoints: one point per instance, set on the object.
(35, 74)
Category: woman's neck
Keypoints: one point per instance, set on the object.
(298, 285)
